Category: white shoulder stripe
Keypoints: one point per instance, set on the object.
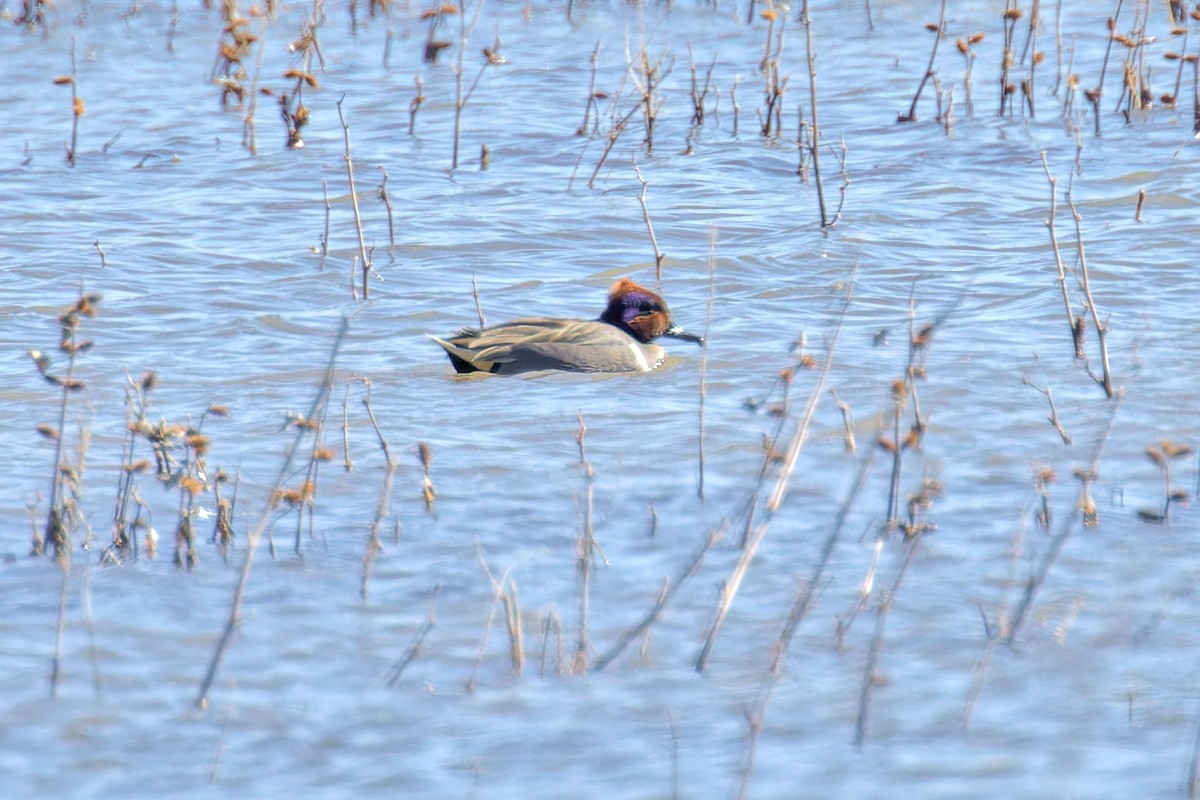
(640, 356)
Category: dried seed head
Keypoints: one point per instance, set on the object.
(932, 27)
(199, 443)
(1173, 450)
(149, 382)
(962, 46)
(191, 485)
(218, 410)
(1156, 455)
(1012, 13)
(975, 38)
(48, 432)
(425, 454)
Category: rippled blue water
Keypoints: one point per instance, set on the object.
(212, 279)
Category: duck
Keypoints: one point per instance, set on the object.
(620, 340)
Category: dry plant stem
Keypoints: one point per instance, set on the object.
(733, 583)
(252, 539)
(414, 649)
(1101, 328)
(757, 715)
(347, 462)
(591, 98)
(100, 251)
(387, 202)
(937, 38)
(689, 569)
(460, 100)
(613, 135)
(1066, 437)
(76, 108)
(899, 403)
(1012, 625)
(374, 541)
(497, 598)
(478, 306)
(658, 255)
(516, 638)
(1096, 94)
(813, 584)
(815, 138)
(754, 722)
(60, 627)
(415, 105)
(1073, 322)
(712, 282)
(325, 235)
(248, 129)
(586, 551)
(362, 245)
(1194, 764)
(876, 646)
(847, 421)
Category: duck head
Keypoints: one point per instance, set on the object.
(642, 314)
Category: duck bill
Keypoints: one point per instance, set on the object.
(677, 332)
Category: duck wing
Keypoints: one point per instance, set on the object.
(539, 344)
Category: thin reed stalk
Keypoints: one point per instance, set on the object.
(1085, 509)
(689, 569)
(702, 387)
(60, 627)
(374, 541)
(911, 116)
(1105, 380)
(586, 551)
(870, 668)
(775, 500)
(362, 244)
(498, 594)
(658, 254)
(1076, 323)
(815, 137)
(255, 535)
(415, 646)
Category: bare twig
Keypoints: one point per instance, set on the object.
(773, 503)
(362, 245)
(1105, 380)
(911, 116)
(1076, 323)
(1012, 625)
(658, 254)
(815, 139)
(252, 540)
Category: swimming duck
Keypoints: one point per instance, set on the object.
(619, 341)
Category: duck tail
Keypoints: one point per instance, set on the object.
(461, 358)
